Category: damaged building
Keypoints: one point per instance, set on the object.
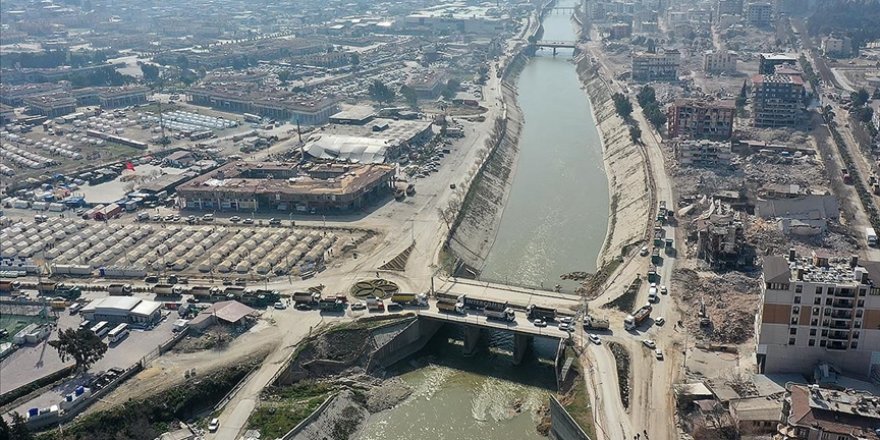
(721, 242)
(807, 215)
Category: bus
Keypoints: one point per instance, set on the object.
(100, 329)
(118, 333)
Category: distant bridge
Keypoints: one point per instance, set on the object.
(556, 45)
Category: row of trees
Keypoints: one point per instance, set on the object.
(647, 98)
(383, 94)
(624, 108)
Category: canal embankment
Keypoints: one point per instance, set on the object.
(625, 167)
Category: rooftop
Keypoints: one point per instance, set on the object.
(820, 268)
(839, 412)
(113, 302)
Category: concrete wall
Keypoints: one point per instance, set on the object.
(562, 425)
(299, 427)
(410, 340)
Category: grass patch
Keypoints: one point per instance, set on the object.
(577, 400)
(274, 419)
(14, 323)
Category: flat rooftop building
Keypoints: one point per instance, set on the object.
(255, 186)
(779, 98)
(661, 66)
(701, 119)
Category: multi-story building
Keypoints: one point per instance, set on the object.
(779, 99)
(660, 66)
(51, 106)
(428, 84)
(759, 14)
(703, 152)
(701, 119)
(729, 7)
(247, 97)
(716, 61)
(833, 45)
(814, 413)
(816, 310)
(767, 62)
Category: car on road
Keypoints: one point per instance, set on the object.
(208, 218)
(595, 339)
(649, 343)
(359, 306)
(539, 323)
(567, 320)
(274, 221)
(664, 290)
(658, 354)
(644, 251)
(248, 221)
(156, 217)
(235, 219)
(566, 327)
(659, 322)
(303, 306)
(214, 425)
(280, 306)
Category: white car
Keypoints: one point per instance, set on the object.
(214, 425)
(566, 320)
(565, 327)
(595, 339)
(649, 343)
(280, 306)
(659, 322)
(358, 306)
(658, 354)
(664, 290)
(539, 323)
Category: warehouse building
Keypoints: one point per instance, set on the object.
(118, 309)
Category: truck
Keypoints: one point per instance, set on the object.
(596, 323)
(450, 305)
(537, 312)
(203, 292)
(68, 291)
(412, 299)
(46, 287)
(307, 297)
(331, 305)
(9, 286)
(481, 304)
(871, 236)
(659, 233)
(501, 314)
(167, 290)
(637, 317)
(119, 289)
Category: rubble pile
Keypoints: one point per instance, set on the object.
(730, 299)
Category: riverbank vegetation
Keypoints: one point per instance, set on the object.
(282, 408)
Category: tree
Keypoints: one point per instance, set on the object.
(182, 61)
(19, 429)
(451, 88)
(355, 59)
(646, 96)
(864, 114)
(81, 345)
(150, 71)
(622, 105)
(652, 46)
(284, 76)
(860, 98)
(380, 92)
(5, 432)
(635, 133)
(409, 94)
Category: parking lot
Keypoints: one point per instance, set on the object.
(29, 363)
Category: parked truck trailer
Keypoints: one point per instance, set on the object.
(538, 312)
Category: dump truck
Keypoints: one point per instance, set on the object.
(631, 322)
(331, 305)
(9, 286)
(501, 314)
(450, 305)
(538, 312)
(306, 297)
(119, 289)
(412, 299)
(659, 233)
(167, 290)
(596, 323)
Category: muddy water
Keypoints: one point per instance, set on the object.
(483, 397)
(556, 215)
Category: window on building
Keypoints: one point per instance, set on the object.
(862, 292)
(858, 324)
(861, 303)
(797, 299)
(855, 335)
(799, 288)
(859, 313)
(812, 343)
(821, 343)
(817, 301)
(819, 290)
(814, 321)
(790, 341)
(794, 321)
(827, 301)
(812, 332)
(854, 344)
(815, 311)
(792, 331)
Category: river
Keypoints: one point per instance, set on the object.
(554, 222)
(556, 216)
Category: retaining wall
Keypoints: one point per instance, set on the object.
(406, 343)
(311, 418)
(562, 425)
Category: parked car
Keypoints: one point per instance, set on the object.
(214, 425)
(303, 306)
(248, 221)
(649, 343)
(359, 306)
(566, 320)
(664, 290)
(595, 339)
(274, 221)
(658, 354)
(539, 323)
(280, 306)
(235, 219)
(659, 322)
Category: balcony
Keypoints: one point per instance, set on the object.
(840, 293)
(842, 304)
(835, 345)
(838, 336)
(843, 325)
(842, 314)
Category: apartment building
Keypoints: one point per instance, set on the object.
(819, 309)
(703, 153)
(717, 61)
(660, 66)
(701, 119)
(778, 98)
(838, 46)
(814, 413)
(767, 62)
(729, 7)
(759, 14)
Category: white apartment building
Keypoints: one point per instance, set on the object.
(819, 309)
(716, 61)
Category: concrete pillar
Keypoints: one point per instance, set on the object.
(471, 338)
(521, 345)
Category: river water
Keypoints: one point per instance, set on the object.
(555, 222)
(556, 216)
